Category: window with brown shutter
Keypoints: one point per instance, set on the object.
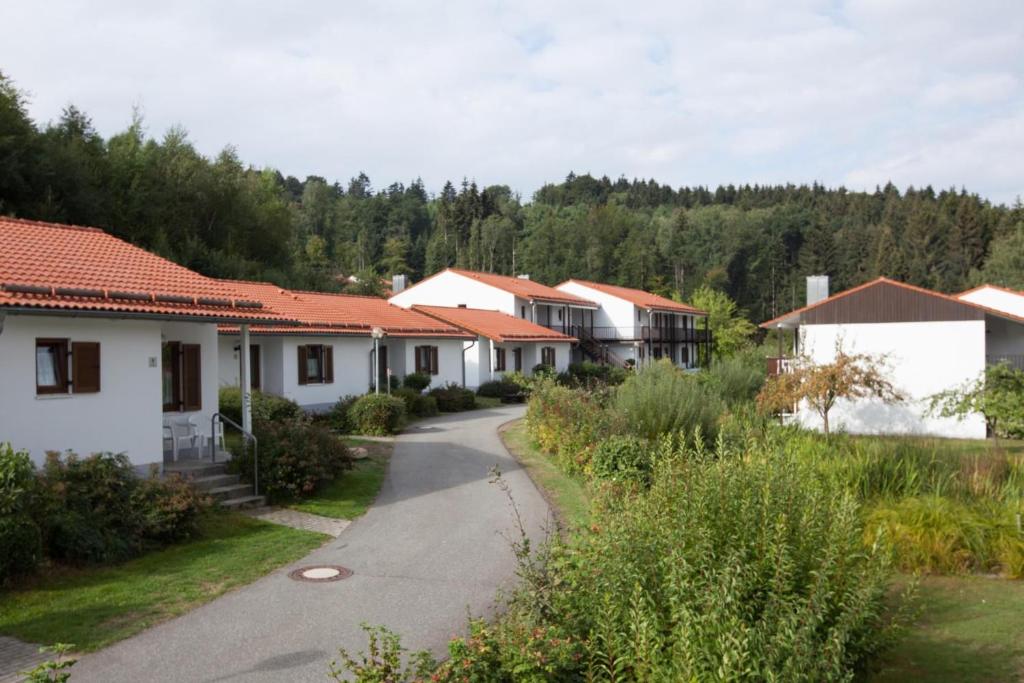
(328, 352)
(191, 377)
(303, 365)
(51, 366)
(316, 364)
(517, 358)
(547, 356)
(170, 375)
(499, 360)
(426, 359)
(85, 367)
(433, 360)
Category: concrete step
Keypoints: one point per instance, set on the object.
(214, 481)
(245, 502)
(196, 469)
(222, 494)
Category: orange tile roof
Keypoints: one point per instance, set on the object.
(789, 317)
(53, 266)
(639, 297)
(341, 314)
(523, 288)
(496, 325)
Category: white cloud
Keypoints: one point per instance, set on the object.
(686, 92)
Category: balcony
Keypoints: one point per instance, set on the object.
(1015, 361)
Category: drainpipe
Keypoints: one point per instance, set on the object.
(533, 311)
(245, 380)
(464, 349)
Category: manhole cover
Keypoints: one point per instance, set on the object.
(327, 572)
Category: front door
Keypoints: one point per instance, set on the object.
(382, 367)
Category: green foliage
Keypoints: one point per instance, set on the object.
(731, 331)
(265, 407)
(295, 458)
(1005, 265)
(416, 403)
(499, 388)
(377, 414)
(623, 459)
(998, 395)
(21, 542)
(382, 661)
(736, 379)
(568, 423)
(338, 416)
(452, 398)
(587, 374)
(96, 510)
(53, 670)
(417, 381)
(661, 399)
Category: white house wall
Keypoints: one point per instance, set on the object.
(451, 289)
(352, 373)
(402, 357)
(614, 312)
(126, 414)
(924, 359)
(999, 299)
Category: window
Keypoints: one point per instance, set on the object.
(499, 360)
(426, 360)
(559, 315)
(638, 319)
(684, 355)
(522, 312)
(547, 356)
(254, 366)
(60, 371)
(316, 364)
(657, 352)
(517, 359)
(181, 374)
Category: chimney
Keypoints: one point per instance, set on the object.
(524, 276)
(817, 288)
(398, 283)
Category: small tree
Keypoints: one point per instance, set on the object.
(730, 329)
(998, 395)
(849, 376)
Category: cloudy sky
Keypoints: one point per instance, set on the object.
(853, 93)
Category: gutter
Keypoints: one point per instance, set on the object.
(464, 360)
(129, 315)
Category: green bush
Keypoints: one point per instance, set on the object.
(499, 388)
(295, 458)
(568, 423)
(265, 407)
(742, 569)
(452, 398)
(587, 374)
(738, 378)
(97, 510)
(21, 540)
(661, 398)
(338, 416)
(417, 381)
(416, 403)
(623, 458)
(542, 370)
(377, 414)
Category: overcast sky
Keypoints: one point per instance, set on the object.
(853, 93)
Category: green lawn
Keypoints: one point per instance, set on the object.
(969, 628)
(94, 607)
(483, 402)
(566, 494)
(351, 494)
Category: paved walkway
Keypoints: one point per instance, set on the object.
(432, 545)
(16, 656)
(301, 520)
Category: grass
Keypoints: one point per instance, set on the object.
(969, 629)
(351, 494)
(94, 607)
(566, 494)
(484, 402)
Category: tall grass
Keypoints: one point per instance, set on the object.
(662, 399)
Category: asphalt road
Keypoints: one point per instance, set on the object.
(434, 544)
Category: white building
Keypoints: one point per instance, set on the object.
(632, 325)
(933, 342)
(503, 343)
(330, 354)
(102, 343)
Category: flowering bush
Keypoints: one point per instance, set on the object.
(567, 423)
(295, 458)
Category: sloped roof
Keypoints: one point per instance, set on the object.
(639, 297)
(341, 314)
(985, 286)
(67, 267)
(496, 325)
(524, 288)
(950, 303)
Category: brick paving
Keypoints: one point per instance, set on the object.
(15, 657)
(300, 520)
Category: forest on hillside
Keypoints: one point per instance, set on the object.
(225, 218)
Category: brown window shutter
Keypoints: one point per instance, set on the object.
(433, 360)
(303, 370)
(192, 371)
(328, 364)
(85, 367)
(418, 355)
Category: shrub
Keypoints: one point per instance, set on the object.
(567, 423)
(295, 458)
(416, 403)
(660, 398)
(417, 381)
(499, 388)
(170, 508)
(736, 379)
(452, 398)
(586, 374)
(377, 414)
(265, 407)
(542, 370)
(622, 458)
(21, 541)
(338, 416)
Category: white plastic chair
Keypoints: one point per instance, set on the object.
(181, 430)
(218, 436)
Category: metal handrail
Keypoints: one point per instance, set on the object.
(247, 435)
